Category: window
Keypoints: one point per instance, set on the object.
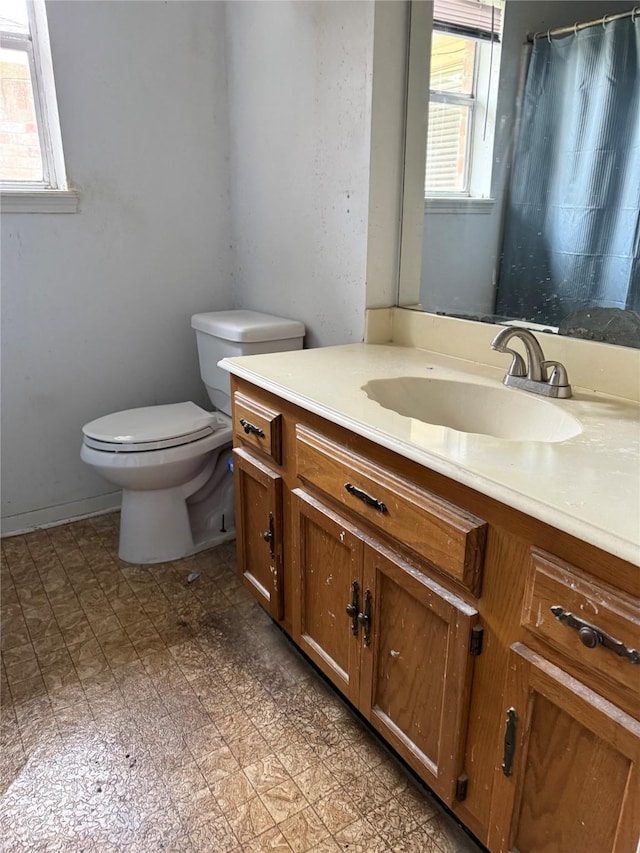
(32, 170)
(462, 99)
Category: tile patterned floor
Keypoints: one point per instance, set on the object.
(141, 712)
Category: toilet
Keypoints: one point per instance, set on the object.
(173, 462)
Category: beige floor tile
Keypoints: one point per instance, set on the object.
(266, 773)
(203, 741)
(250, 820)
(271, 841)
(360, 837)
(216, 836)
(284, 800)
(336, 810)
(174, 716)
(304, 830)
(316, 782)
(232, 790)
(218, 765)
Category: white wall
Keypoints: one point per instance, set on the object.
(96, 305)
(300, 118)
(197, 193)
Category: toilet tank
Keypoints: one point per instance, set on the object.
(223, 334)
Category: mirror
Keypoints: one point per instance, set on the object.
(453, 248)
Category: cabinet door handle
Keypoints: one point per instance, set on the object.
(365, 498)
(249, 427)
(269, 537)
(364, 618)
(509, 745)
(352, 608)
(592, 636)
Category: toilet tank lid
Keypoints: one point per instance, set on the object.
(247, 326)
(152, 423)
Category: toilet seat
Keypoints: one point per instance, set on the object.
(151, 428)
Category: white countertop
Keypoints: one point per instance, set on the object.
(587, 486)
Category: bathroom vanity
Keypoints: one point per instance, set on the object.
(474, 597)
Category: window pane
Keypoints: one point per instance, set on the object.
(447, 148)
(452, 63)
(20, 157)
(13, 16)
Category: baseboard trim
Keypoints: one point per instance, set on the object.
(52, 516)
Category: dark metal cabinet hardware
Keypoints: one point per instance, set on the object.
(269, 537)
(365, 498)
(250, 428)
(592, 636)
(352, 608)
(364, 618)
(509, 742)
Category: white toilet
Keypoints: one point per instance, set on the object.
(173, 462)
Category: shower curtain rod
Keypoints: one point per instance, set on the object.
(632, 13)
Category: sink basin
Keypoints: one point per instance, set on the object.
(467, 407)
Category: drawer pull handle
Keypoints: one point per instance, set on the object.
(269, 538)
(365, 498)
(249, 427)
(590, 636)
(365, 618)
(509, 743)
(352, 608)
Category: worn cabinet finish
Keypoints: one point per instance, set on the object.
(569, 765)
(396, 643)
(327, 561)
(259, 426)
(442, 533)
(389, 569)
(417, 668)
(596, 628)
(258, 501)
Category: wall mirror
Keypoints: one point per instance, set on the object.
(526, 207)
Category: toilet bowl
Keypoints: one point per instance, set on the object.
(172, 464)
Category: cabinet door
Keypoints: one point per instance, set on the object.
(327, 564)
(572, 782)
(258, 497)
(417, 668)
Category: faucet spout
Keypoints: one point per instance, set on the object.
(532, 376)
(535, 356)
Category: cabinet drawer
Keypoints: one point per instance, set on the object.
(258, 426)
(449, 537)
(598, 629)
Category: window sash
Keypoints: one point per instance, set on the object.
(449, 142)
(468, 17)
(37, 47)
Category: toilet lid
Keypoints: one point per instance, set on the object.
(150, 427)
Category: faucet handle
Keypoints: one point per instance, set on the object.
(517, 366)
(558, 377)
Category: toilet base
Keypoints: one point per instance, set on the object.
(155, 528)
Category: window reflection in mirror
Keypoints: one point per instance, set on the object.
(549, 281)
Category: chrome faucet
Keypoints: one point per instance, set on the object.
(533, 376)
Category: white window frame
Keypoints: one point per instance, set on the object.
(52, 194)
(439, 96)
(476, 198)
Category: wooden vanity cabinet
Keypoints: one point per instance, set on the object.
(396, 643)
(259, 500)
(259, 541)
(569, 776)
(416, 668)
(442, 563)
(327, 562)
